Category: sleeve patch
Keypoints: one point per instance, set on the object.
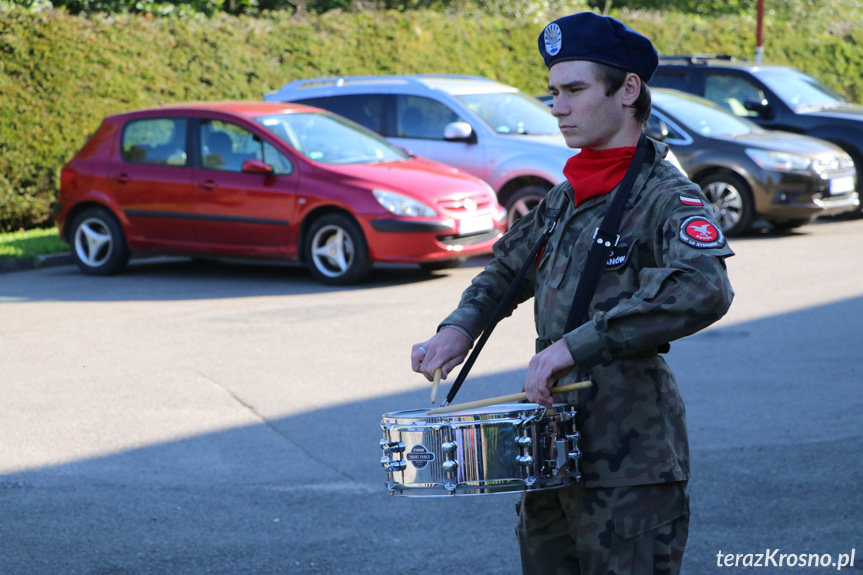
(701, 233)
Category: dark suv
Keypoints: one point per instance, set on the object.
(774, 97)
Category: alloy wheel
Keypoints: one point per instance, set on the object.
(93, 242)
(727, 204)
(332, 251)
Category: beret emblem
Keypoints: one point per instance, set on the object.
(552, 39)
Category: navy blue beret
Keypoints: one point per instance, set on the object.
(589, 36)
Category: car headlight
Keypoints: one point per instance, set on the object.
(401, 205)
(832, 162)
(779, 161)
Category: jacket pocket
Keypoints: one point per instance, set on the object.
(659, 504)
(553, 266)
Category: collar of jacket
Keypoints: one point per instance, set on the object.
(661, 151)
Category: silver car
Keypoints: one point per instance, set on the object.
(485, 128)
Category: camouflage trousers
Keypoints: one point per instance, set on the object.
(637, 530)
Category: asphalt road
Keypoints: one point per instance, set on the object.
(186, 419)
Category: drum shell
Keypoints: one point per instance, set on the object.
(503, 448)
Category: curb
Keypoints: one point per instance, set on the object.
(8, 265)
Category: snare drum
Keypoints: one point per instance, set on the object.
(496, 449)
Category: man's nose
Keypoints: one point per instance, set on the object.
(558, 108)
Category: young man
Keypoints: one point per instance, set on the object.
(665, 279)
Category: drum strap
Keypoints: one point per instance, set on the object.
(503, 306)
(606, 238)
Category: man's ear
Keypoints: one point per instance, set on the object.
(631, 89)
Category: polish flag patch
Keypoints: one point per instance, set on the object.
(690, 201)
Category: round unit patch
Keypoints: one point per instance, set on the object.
(552, 37)
(699, 232)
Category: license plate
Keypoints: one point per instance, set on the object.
(841, 185)
(475, 225)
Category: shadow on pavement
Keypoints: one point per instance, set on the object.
(775, 411)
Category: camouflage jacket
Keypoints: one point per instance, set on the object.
(665, 279)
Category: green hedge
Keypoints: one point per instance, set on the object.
(60, 74)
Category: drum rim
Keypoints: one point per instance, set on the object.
(517, 407)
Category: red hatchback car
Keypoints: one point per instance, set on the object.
(271, 180)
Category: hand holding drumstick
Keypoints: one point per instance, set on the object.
(444, 352)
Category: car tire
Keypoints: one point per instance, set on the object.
(442, 265)
(336, 250)
(522, 201)
(97, 242)
(731, 199)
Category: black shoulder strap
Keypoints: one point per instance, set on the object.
(605, 238)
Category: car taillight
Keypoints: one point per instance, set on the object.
(66, 177)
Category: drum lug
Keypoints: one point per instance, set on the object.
(450, 466)
(575, 453)
(391, 466)
(526, 460)
(391, 447)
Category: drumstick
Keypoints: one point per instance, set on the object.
(512, 398)
(435, 385)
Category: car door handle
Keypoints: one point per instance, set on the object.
(208, 184)
(123, 179)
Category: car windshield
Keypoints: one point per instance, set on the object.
(512, 113)
(798, 90)
(329, 139)
(703, 117)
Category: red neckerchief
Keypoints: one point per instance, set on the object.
(596, 172)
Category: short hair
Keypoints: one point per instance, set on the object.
(613, 79)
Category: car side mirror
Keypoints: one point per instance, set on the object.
(760, 107)
(459, 132)
(256, 167)
(656, 129)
